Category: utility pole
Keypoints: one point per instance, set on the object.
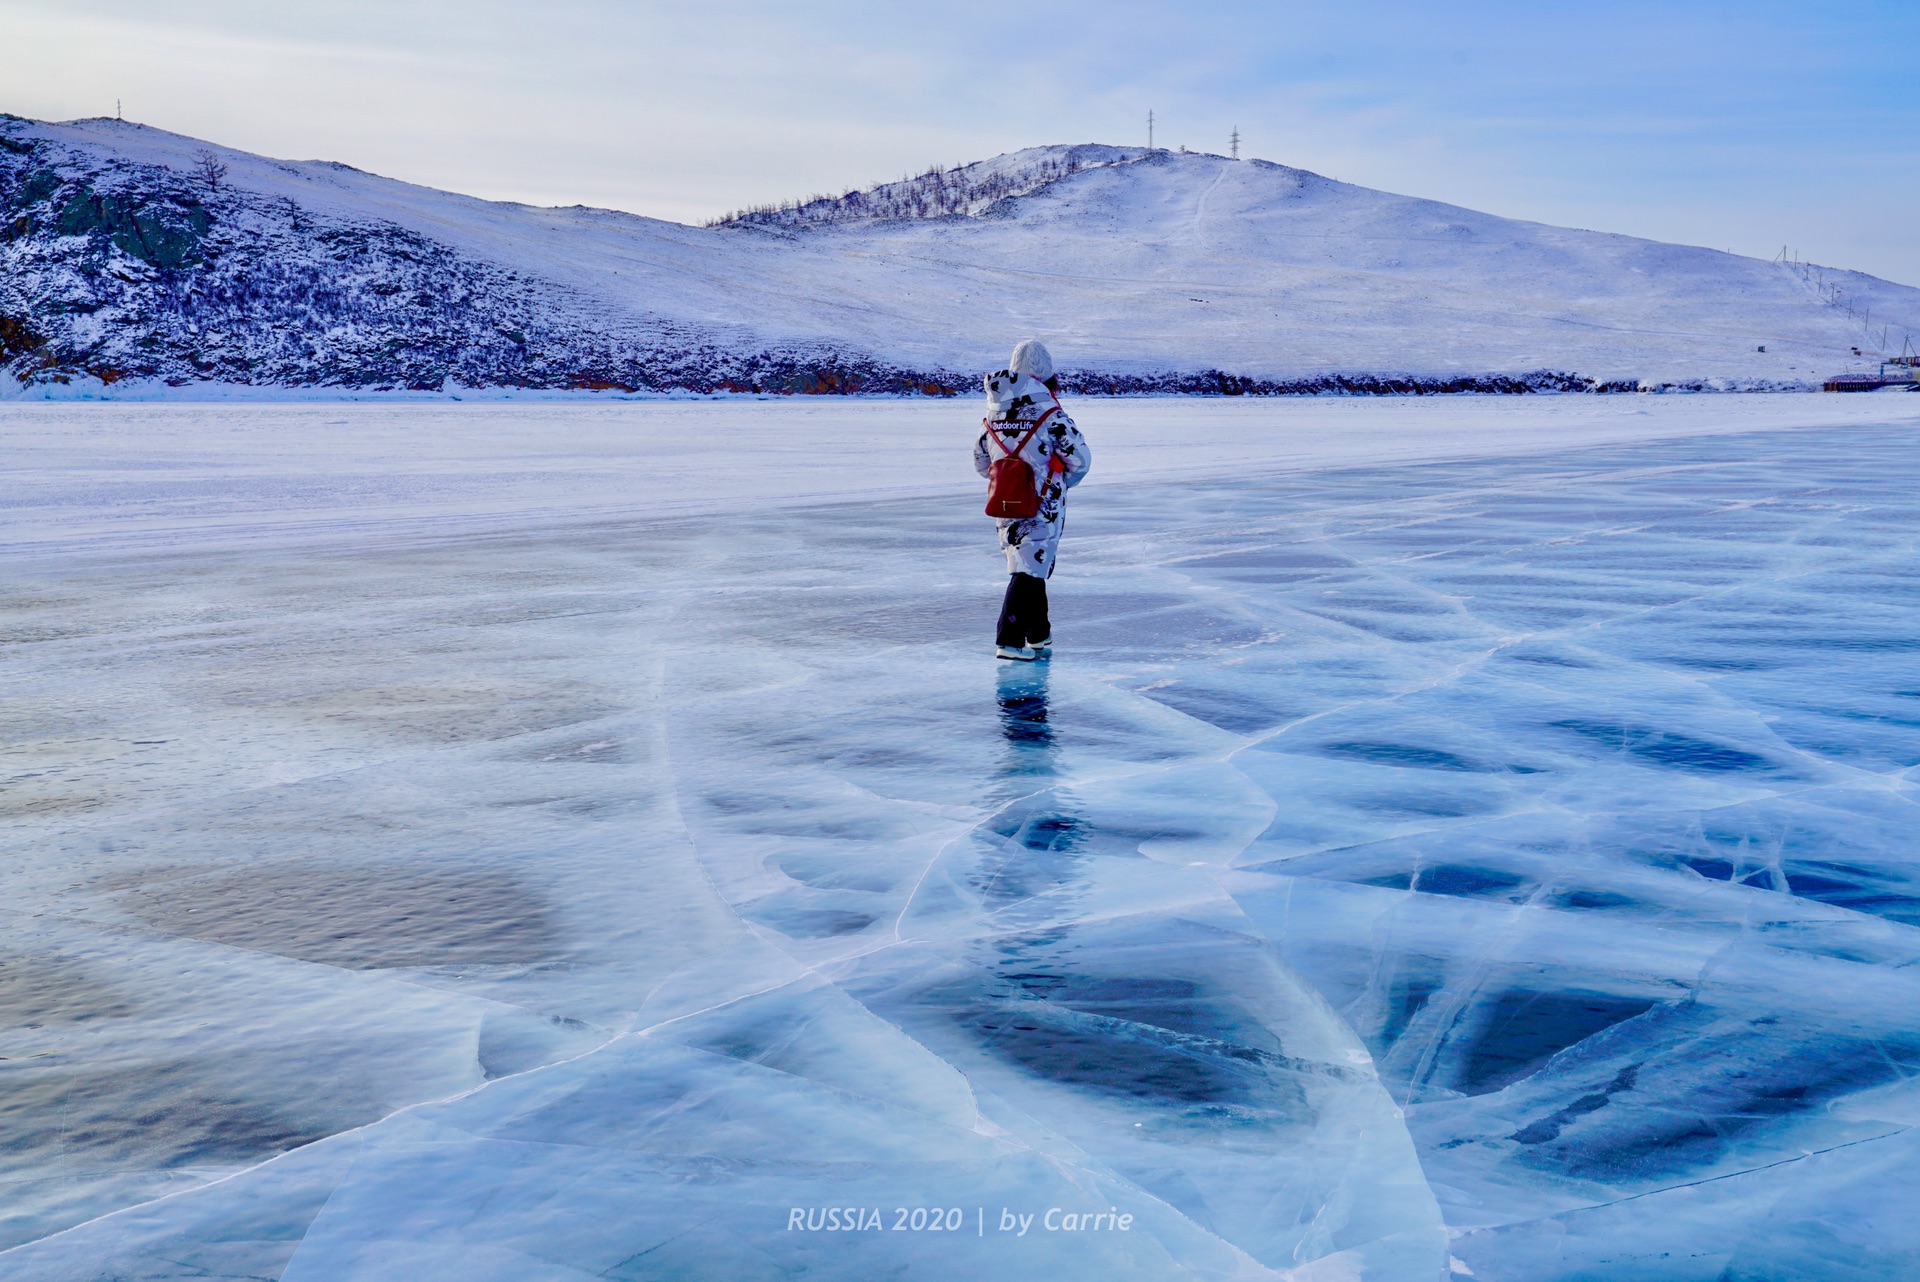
(1235, 142)
(116, 109)
(1149, 129)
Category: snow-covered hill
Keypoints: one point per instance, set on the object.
(131, 253)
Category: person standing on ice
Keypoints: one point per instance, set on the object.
(1031, 454)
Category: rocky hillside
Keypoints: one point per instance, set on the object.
(134, 257)
(116, 269)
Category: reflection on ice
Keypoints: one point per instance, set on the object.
(1496, 867)
(1023, 719)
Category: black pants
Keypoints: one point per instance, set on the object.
(1023, 614)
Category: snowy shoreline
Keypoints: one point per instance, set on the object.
(1091, 385)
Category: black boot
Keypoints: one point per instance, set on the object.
(1023, 619)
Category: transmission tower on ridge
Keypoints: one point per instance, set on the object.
(1234, 142)
(1149, 129)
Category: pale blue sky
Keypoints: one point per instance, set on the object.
(1743, 126)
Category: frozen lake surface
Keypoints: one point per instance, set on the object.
(532, 841)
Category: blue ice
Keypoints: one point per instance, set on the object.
(1499, 869)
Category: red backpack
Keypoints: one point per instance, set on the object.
(1012, 492)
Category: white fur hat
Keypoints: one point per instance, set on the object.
(1033, 358)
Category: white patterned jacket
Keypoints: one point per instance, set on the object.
(1057, 453)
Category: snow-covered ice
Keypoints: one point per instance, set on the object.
(536, 841)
